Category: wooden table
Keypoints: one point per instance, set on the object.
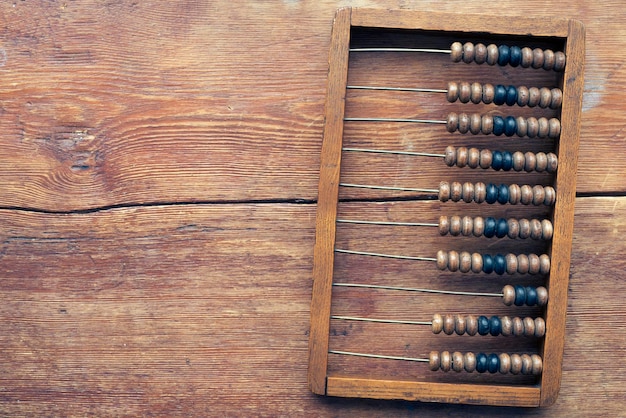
(158, 183)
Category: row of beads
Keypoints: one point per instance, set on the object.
(492, 227)
(519, 295)
(465, 262)
(503, 55)
(499, 125)
(491, 193)
(500, 94)
(481, 325)
(504, 363)
(500, 160)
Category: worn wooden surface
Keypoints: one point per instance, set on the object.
(158, 176)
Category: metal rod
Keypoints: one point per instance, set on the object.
(402, 189)
(381, 151)
(384, 321)
(354, 221)
(400, 257)
(412, 89)
(349, 353)
(414, 289)
(443, 122)
(427, 50)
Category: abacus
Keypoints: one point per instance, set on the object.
(445, 207)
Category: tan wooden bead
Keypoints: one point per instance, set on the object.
(522, 126)
(468, 52)
(480, 53)
(524, 228)
(550, 196)
(465, 262)
(486, 157)
(476, 93)
(539, 194)
(453, 260)
(437, 324)
(457, 361)
(461, 157)
(523, 264)
(479, 226)
(515, 194)
(469, 362)
(518, 326)
(456, 191)
(452, 95)
(522, 95)
(508, 295)
(547, 230)
(477, 262)
(532, 127)
(486, 125)
(473, 157)
(468, 192)
(506, 325)
(529, 326)
(526, 194)
(492, 54)
(444, 191)
(471, 325)
(559, 61)
(442, 260)
(449, 156)
(505, 363)
(527, 57)
(554, 128)
(465, 92)
(456, 52)
(538, 58)
(541, 162)
(518, 161)
(557, 98)
(536, 230)
(434, 360)
(480, 192)
(467, 226)
(459, 324)
(446, 361)
(534, 96)
(537, 364)
(464, 123)
(552, 162)
(455, 225)
(540, 327)
(544, 128)
(534, 265)
(444, 225)
(530, 161)
(542, 296)
(516, 363)
(513, 232)
(448, 325)
(489, 92)
(527, 364)
(548, 59)
(476, 123)
(544, 264)
(511, 263)
(545, 97)
(452, 122)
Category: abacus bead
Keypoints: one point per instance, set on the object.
(530, 161)
(492, 54)
(461, 157)
(487, 263)
(444, 225)
(535, 229)
(557, 98)
(491, 193)
(550, 197)
(510, 127)
(467, 226)
(457, 361)
(559, 61)
(493, 363)
(522, 264)
(524, 228)
(480, 53)
(471, 325)
(511, 264)
(507, 161)
(486, 158)
(500, 95)
(465, 262)
(477, 263)
(456, 52)
(515, 193)
(468, 52)
(434, 360)
(448, 324)
(516, 363)
(539, 195)
(541, 162)
(437, 324)
(534, 95)
(446, 361)
(452, 95)
(522, 126)
(548, 60)
(545, 97)
(490, 227)
(496, 160)
(508, 295)
(456, 191)
(515, 56)
(520, 295)
(537, 363)
(538, 58)
(486, 125)
(527, 364)
(511, 95)
(444, 191)
(522, 96)
(478, 226)
(503, 194)
(459, 324)
(476, 123)
(533, 260)
(468, 192)
(488, 93)
(499, 264)
(513, 228)
(480, 192)
(554, 128)
(527, 57)
(473, 157)
(483, 325)
(502, 228)
(532, 127)
(495, 326)
(452, 122)
(542, 296)
(481, 362)
(469, 362)
(544, 264)
(546, 230)
(529, 326)
(552, 162)
(453, 260)
(476, 95)
(518, 326)
(505, 363)
(540, 327)
(449, 156)
(506, 326)
(464, 123)
(544, 128)
(464, 92)
(455, 225)
(526, 194)
(442, 260)
(531, 296)
(498, 125)
(504, 55)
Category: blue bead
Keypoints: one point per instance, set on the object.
(490, 227)
(515, 57)
(507, 161)
(498, 125)
(503, 194)
(504, 55)
(520, 295)
(511, 95)
(496, 160)
(493, 363)
(483, 325)
(481, 362)
(491, 195)
(488, 264)
(502, 228)
(531, 296)
(495, 326)
(510, 126)
(499, 264)
(499, 97)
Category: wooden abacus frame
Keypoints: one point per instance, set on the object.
(544, 393)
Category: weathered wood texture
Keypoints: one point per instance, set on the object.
(197, 302)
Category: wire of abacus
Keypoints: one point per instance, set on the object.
(467, 226)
